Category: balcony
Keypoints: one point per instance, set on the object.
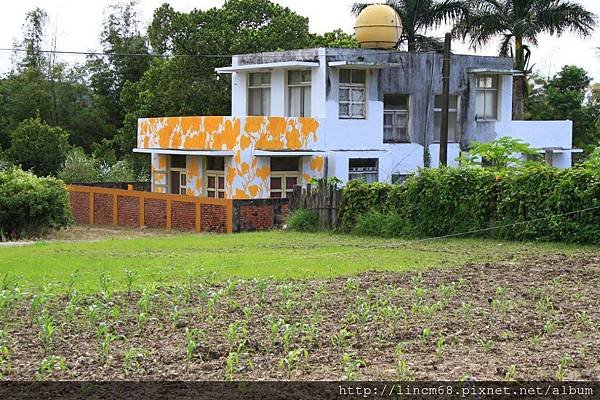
(228, 134)
(247, 143)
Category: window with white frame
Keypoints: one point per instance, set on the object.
(396, 118)
(259, 93)
(299, 91)
(364, 168)
(285, 175)
(487, 97)
(453, 122)
(215, 177)
(178, 174)
(353, 94)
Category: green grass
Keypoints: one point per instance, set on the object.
(282, 255)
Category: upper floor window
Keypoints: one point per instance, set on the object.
(259, 93)
(453, 127)
(353, 94)
(487, 98)
(178, 174)
(299, 90)
(395, 118)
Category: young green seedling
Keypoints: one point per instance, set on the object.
(351, 365)
(562, 367)
(292, 359)
(191, 344)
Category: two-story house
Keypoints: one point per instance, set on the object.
(348, 113)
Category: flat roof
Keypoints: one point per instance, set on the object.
(287, 153)
(267, 66)
(217, 153)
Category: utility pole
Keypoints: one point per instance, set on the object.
(445, 101)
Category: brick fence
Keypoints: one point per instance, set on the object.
(107, 206)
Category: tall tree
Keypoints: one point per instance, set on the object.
(568, 96)
(519, 23)
(197, 42)
(127, 58)
(33, 38)
(420, 15)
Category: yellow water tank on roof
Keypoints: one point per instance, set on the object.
(378, 26)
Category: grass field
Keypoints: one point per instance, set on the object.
(160, 258)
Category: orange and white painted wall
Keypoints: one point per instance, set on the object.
(246, 143)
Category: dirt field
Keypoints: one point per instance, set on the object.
(537, 319)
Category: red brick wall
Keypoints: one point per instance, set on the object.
(256, 218)
(103, 213)
(80, 207)
(128, 210)
(183, 215)
(155, 213)
(214, 218)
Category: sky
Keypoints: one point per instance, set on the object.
(78, 23)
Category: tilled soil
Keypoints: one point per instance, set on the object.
(536, 319)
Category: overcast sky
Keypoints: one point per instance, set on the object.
(78, 24)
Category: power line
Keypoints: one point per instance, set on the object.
(96, 53)
(283, 55)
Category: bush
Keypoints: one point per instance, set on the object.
(82, 168)
(30, 206)
(38, 147)
(303, 220)
(79, 168)
(360, 197)
(536, 201)
(372, 223)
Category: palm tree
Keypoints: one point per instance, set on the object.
(419, 15)
(520, 21)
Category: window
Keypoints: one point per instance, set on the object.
(259, 93)
(487, 98)
(299, 89)
(453, 127)
(353, 94)
(363, 168)
(178, 174)
(395, 118)
(284, 176)
(398, 179)
(215, 177)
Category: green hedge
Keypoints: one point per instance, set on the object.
(438, 202)
(30, 206)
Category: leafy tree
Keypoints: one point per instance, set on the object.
(33, 37)
(568, 96)
(519, 21)
(337, 38)
(199, 41)
(128, 58)
(38, 147)
(420, 15)
(498, 154)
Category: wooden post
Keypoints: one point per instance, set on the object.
(229, 218)
(445, 101)
(142, 210)
(169, 207)
(115, 209)
(198, 220)
(91, 205)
